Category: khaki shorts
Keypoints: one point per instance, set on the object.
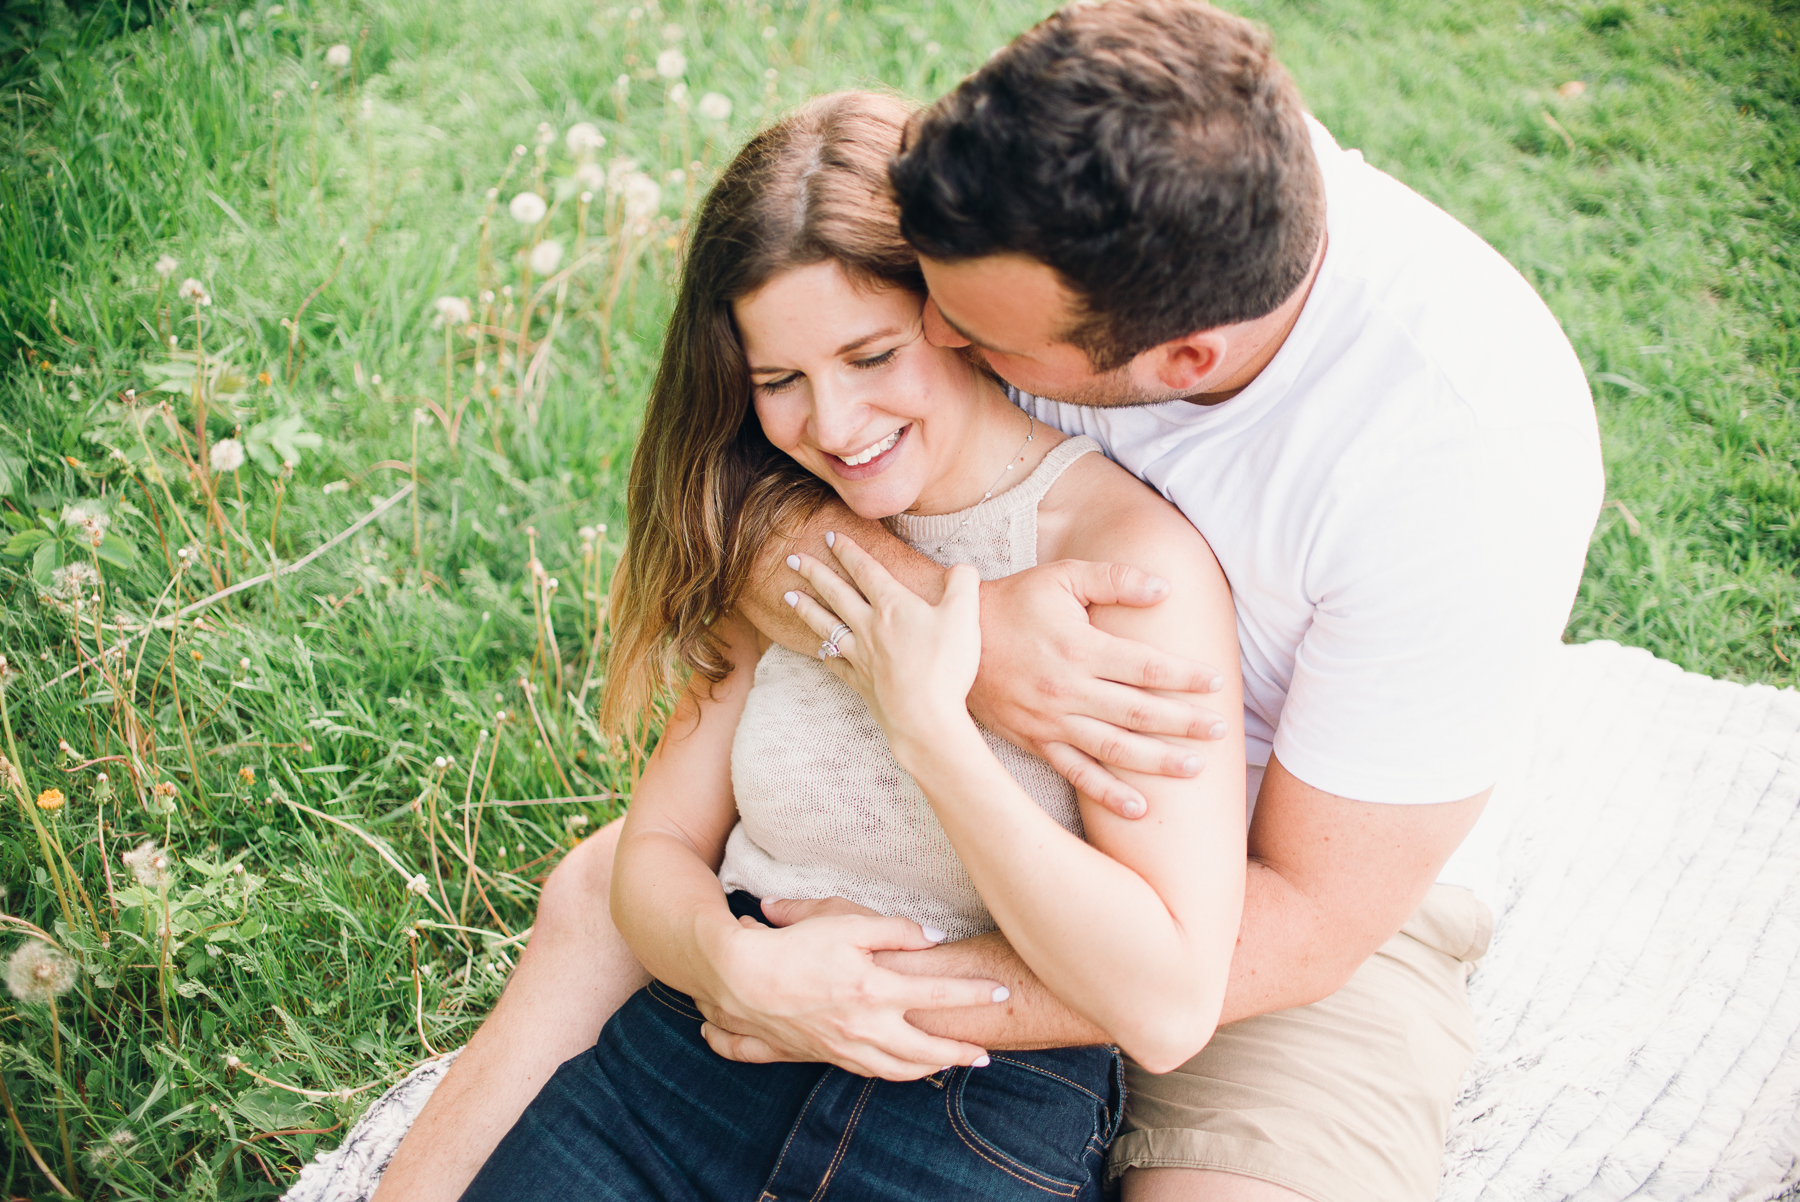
(1345, 1100)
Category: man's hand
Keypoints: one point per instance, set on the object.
(813, 992)
(1054, 685)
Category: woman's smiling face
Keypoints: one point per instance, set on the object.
(845, 382)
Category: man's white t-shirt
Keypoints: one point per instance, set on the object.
(1401, 500)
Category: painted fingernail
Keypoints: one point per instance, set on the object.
(1002, 993)
(831, 538)
(1134, 808)
(1218, 730)
(1193, 763)
(794, 562)
(792, 599)
(932, 934)
(980, 1061)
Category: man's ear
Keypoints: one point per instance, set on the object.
(1183, 364)
(938, 332)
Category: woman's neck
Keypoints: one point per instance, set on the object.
(1002, 447)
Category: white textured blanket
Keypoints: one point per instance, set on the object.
(1640, 1005)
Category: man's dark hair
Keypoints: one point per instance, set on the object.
(1151, 152)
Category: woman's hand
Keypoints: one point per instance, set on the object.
(912, 662)
(812, 992)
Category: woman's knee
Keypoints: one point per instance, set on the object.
(576, 892)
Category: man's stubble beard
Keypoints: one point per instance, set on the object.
(1107, 390)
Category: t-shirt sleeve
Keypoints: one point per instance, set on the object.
(1439, 587)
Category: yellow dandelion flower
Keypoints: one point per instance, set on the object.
(50, 799)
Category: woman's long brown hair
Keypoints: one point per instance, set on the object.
(707, 488)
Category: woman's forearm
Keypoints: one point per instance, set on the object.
(1148, 970)
(667, 903)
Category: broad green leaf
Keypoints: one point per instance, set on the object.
(116, 551)
(24, 542)
(44, 563)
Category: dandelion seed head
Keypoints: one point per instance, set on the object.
(527, 208)
(591, 176)
(676, 178)
(419, 885)
(338, 56)
(545, 256)
(715, 106)
(678, 96)
(194, 292)
(575, 822)
(72, 582)
(643, 196)
(227, 455)
(673, 33)
(583, 138)
(104, 1152)
(148, 862)
(671, 64)
(166, 265)
(546, 133)
(244, 663)
(39, 973)
(452, 310)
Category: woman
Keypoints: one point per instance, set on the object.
(796, 363)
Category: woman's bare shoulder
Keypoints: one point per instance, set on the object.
(1097, 510)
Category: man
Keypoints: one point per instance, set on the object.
(1390, 446)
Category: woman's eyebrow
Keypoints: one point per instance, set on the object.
(853, 344)
(858, 343)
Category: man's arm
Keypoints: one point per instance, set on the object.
(1330, 881)
(1050, 682)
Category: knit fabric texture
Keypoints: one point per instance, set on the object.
(824, 810)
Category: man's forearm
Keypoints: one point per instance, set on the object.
(761, 599)
(1031, 1017)
(1272, 969)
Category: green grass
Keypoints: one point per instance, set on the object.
(1657, 212)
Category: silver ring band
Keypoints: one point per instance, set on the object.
(837, 632)
(829, 650)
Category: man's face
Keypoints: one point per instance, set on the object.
(1014, 311)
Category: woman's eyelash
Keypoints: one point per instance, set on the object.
(873, 361)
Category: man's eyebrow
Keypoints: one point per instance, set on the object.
(853, 344)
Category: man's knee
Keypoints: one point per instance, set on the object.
(576, 892)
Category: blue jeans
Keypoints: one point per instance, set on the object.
(651, 1112)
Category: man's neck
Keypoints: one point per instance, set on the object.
(1262, 338)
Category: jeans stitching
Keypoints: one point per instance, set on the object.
(837, 1158)
(789, 1141)
(1021, 1172)
(1025, 1064)
(656, 989)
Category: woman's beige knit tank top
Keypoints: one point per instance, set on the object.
(824, 810)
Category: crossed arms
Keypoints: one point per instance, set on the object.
(1328, 879)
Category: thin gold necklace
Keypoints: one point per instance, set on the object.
(1030, 433)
